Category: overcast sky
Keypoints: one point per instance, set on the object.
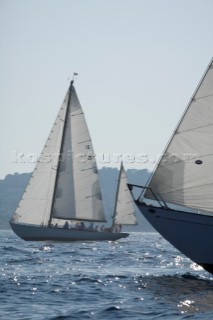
(139, 63)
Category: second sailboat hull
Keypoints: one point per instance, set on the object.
(190, 233)
(41, 233)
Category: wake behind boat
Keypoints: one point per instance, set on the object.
(178, 199)
(64, 185)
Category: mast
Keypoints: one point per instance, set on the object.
(61, 148)
(116, 196)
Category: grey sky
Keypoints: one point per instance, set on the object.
(138, 63)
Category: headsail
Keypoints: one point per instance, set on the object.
(77, 194)
(184, 173)
(124, 212)
(65, 182)
(35, 205)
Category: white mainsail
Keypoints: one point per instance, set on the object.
(65, 183)
(124, 212)
(184, 174)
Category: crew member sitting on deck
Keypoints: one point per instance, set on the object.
(91, 227)
(66, 225)
(81, 226)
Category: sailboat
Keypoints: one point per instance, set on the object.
(124, 211)
(64, 187)
(178, 198)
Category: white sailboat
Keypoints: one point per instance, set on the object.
(178, 199)
(124, 212)
(64, 185)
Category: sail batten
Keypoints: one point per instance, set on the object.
(206, 96)
(183, 174)
(196, 128)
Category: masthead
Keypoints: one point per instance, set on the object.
(74, 75)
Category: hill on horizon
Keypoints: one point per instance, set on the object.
(13, 186)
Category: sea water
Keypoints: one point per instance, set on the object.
(140, 277)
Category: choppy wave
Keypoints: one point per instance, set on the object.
(141, 277)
